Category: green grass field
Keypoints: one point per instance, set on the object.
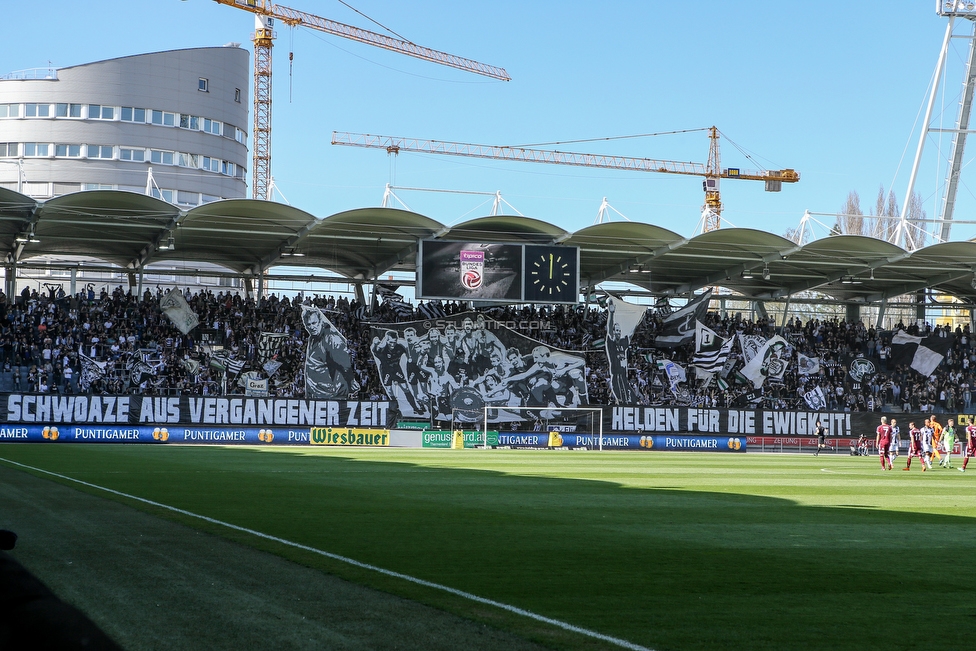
(664, 550)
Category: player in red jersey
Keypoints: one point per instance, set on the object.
(914, 446)
(883, 441)
(970, 443)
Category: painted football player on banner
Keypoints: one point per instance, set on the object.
(452, 368)
(329, 373)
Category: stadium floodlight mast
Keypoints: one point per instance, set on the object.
(951, 9)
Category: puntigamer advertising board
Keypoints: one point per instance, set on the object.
(202, 419)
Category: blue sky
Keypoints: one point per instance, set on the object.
(832, 89)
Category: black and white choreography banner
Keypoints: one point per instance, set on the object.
(752, 422)
(101, 410)
(329, 371)
(453, 367)
(622, 320)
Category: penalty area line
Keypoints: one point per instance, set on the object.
(351, 561)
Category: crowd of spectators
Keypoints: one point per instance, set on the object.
(45, 338)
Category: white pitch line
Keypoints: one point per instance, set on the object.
(366, 566)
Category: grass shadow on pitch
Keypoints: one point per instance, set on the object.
(668, 568)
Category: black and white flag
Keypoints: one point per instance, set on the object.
(807, 365)
(861, 369)
(270, 344)
(769, 363)
(678, 327)
(177, 310)
(388, 292)
(816, 399)
(711, 351)
(401, 309)
(750, 346)
(271, 367)
(431, 310)
(90, 371)
(923, 354)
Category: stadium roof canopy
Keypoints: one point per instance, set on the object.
(248, 236)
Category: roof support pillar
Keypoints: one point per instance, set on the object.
(260, 296)
(760, 308)
(360, 295)
(10, 282)
(786, 310)
(881, 313)
(920, 306)
(853, 312)
(139, 286)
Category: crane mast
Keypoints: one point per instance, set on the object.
(265, 13)
(712, 171)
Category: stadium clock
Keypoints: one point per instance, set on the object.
(551, 274)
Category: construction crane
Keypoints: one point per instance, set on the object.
(712, 171)
(265, 13)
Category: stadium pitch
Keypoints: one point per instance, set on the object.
(498, 549)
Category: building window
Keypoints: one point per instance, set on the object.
(164, 118)
(99, 151)
(8, 149)
(68, 110)
(135, 155)
(212, 126)
(203, 85)
(36, 149)
(240, 136)
(237, 95)
(191, 122)
(161, 157)
(67, 151)
(130, 114)
(97, 186)
(37, 189)
(188, 160)
(37, 110)
(188, 198)
(99, 112)
(9, 110)
(165, 195)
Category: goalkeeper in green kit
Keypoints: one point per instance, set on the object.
(949, 440)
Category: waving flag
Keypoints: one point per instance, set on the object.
(768, 363)
(679, 326)
(90, 371)
(177, 310)
(923, 354)
(816, 399)
(675, 373)
(807, 365)
(711, 351)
